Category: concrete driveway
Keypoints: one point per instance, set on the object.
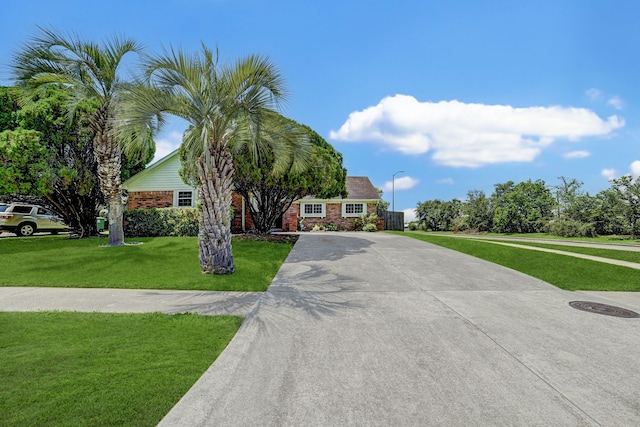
(377, 329)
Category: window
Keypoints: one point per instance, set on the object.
(312, 209)
(185, 198)
(353, 209)
(22, 209)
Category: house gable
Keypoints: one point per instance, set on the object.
(163, 175)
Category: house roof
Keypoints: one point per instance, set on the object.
(359, 187)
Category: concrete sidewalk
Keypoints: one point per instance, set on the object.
(379, 329)
(127, 301)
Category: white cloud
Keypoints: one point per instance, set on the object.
(167, 145)
(409, 215)
(402, 183)
(635, 168)
(594, 94)
(446, 181)
(470, 135)
(578, 154)
(616, 102)
(608, 173)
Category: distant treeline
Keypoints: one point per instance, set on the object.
(533, 206)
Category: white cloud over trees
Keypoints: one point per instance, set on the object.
(401, 183)
(470, 135)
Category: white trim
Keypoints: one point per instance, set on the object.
(176, 198)
(354, 214)
(313, 215)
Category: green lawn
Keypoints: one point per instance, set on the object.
(620, 240)
(565, 272)
(79, 369)
(630, 256)
(157, 263)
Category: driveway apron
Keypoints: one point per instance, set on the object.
(378, 329)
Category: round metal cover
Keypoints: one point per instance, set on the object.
(609, 310)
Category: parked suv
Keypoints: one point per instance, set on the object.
(24, 220)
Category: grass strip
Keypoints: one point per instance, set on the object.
(157, 263)
(94, 369)
(563, 271)
(629, 256)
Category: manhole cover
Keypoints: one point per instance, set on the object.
(609, 310)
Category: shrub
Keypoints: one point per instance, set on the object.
(161, 222)
(318, 227)
(364, 220)
(413, 226)
(331, 227)
(568, 228)
(370, 227)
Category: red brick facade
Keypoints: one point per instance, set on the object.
(150, 199)
(333, 216)
(236, 225)
(164, 199)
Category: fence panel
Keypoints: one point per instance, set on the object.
(392, 220)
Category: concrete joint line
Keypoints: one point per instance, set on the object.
(516, 359)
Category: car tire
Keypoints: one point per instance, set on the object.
(26, 229)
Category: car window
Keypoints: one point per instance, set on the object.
(3, 208)
(22, 209)
(41, 211)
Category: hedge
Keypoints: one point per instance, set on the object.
(160, 222)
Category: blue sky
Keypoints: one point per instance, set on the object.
(459, 95)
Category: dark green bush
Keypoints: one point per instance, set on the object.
(568, 228)
(161, 222)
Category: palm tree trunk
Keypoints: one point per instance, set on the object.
(109, 157)
(216, 184)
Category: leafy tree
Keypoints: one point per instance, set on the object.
(522, 208)
(218, 101)
(382, 205)
(607, 213)
(628, 190)
(477, 210)
(567, 195)
(48, 159)
(438, 215)
(92, 72)
(271, 193)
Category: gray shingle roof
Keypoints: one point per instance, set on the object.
(360, 188)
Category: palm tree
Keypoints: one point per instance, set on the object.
(92, 72)
(222, 104)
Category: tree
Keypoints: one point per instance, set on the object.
(477, 210)
(628, 190)
(218, 101)
(271, 193)
(522, 208)
(382, 205)
(48, 159)
(92, 72)
(567, 194)
(438, 215)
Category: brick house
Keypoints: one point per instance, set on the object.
(362, 199)
(160, 186)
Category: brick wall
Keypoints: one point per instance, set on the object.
(150, 199)
(290, 218)
(333, 216)
(236, 224)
